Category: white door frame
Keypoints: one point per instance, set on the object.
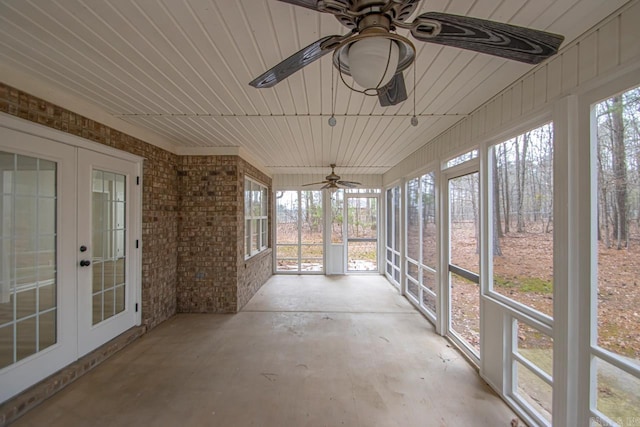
(345, 233)
(467, 168)
(25, 137)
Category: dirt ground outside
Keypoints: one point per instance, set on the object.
(524, 273)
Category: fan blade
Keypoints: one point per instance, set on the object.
(328, 186)
(314, 183)
(404, 9)
(393, 92)
(350, 184)
(493, 38)
(334, 6)
(309, 4)
(297, 61)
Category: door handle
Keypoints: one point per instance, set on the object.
(85, 263)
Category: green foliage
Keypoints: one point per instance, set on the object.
(525, 284)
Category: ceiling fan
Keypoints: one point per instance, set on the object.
(375, 56)
(333, 182)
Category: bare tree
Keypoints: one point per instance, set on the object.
(505, 189)
(619, 172)
(521, 161)
(497, 227)
(603, 210)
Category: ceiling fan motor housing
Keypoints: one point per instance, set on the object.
(332, 176)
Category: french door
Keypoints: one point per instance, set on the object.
(69, 274)
(105, 291)
(463, 202)
(299, 232)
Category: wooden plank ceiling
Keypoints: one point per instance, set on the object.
(181, 70)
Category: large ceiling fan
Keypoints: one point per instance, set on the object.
(375, 56)
(333, 181)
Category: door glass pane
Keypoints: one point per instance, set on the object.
(362, 233)
(28, 285)
(311, 231)
(299, 231)
(337, 213)
(464, 259)
(287, 230)
(465, 310)
(108, 244)
(463, 222)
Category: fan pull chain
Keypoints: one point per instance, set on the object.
(414, 119)
(332, 119)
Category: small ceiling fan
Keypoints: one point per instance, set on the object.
(333, 182)
(375, 56)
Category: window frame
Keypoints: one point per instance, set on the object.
(393, 234)
(588, 105)
(407, 261)
(513, 306)
(255, 225)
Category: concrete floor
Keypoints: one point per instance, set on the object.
(305, 351)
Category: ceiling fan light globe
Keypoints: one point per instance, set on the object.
(373, 61)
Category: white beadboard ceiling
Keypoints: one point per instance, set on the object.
(180, 69)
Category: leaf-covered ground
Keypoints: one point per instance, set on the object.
(524, 273)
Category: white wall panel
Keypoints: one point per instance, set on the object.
(570, 69)
(609, 46)
(629, 46)
(588, 57)
(516, 103)
(540, 87)
(528, 93)
(608, 56)
(554, 78)
(507, 97)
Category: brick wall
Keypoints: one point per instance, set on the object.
(207, 268)
(193, 215)
(159, 195)
(212, 278)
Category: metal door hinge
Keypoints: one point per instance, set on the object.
(136, 307)
(137, 180)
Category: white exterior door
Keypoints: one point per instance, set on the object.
(106, 195)
(62, 205)
(361, 244)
